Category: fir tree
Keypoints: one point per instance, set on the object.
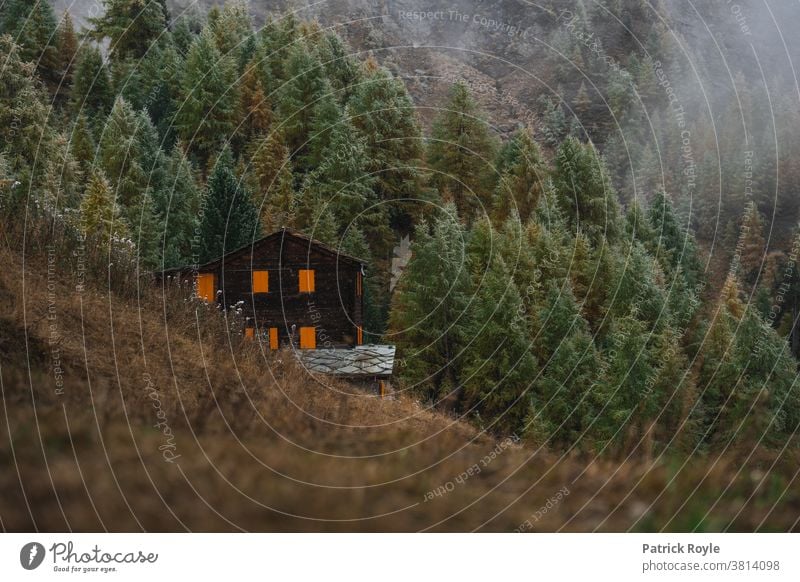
(566, 399)
(100, 216)
(33, 26)
(230, 220)
(428, 308)
(461, 152)
(585, 192)
(306, 107)
(67, 43)
(82, 143)
(498, 364)
(91, 89)
(232, 28)
(206, 116)
(383, 113)
(270, 179)
(132, 26)
(522, 176)
(177, 207)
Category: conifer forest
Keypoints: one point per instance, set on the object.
(580, 222)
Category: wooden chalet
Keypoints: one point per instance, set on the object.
(293, 290)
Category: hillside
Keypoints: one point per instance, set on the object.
(259, 445)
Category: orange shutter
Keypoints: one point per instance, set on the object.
(308, 338)
(306, 280)
(273, 338)
(358, 285)
(260, 281)
(249, 333)
(205, 286)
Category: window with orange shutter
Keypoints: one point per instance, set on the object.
(205, 286)
(273, 338)
(260, 281)
(308, 338)
(306, 280)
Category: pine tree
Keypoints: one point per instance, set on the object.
(340, 180)
(582, 102)
(205, 119)
(132, 26)
(752, 244)
(554, 124)
(232, 28)
(354, 243)
(584, 191)
(91, 89)
(675, 246)
(100, 216)
(33, 28)
(120, 156)
(383, 113)
(341, 68)
(461, 153)
(67, 43)
(269, 177)
(429, 308)
(177, 207)
(498, 364)
(82, 144)
(522, 176)
(230, 220)
(255, 113)
(566, 399)
(306, 107)
(26, 132)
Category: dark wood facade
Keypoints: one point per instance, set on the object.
(292, 289)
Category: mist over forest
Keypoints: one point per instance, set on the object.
(580, 222)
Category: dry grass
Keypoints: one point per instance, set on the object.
(265, 446)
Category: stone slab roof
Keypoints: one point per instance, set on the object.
(368, 360)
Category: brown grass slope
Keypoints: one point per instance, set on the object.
(261, 445)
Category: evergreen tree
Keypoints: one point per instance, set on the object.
(554, 124)
(255, 113)
(230, 220)
(429, 307)
(205, 118)
(354, 243)
(522, 175)
(100, 216)
(306, 107)
(91, 89)
(33, 26)
(498, 364)
(232, 28)
(341, 68)
(383, 113)
(566, 399)
(585, 192)
(461, 152)
(675, 246)
(177, 207)
(67, 43)
(121, 157)
(26, 134)
(270, 179)
(132, 26)
(340, 180)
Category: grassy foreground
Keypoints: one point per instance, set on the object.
(147, 414)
